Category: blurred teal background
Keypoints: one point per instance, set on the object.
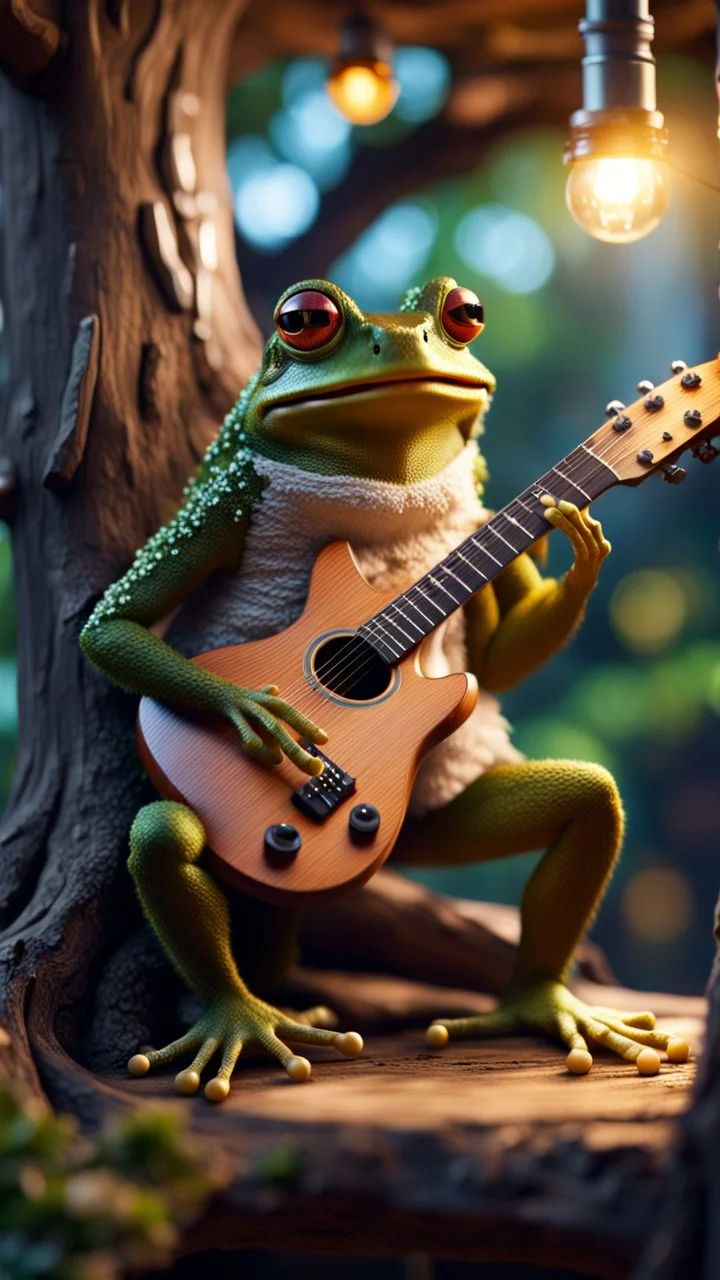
(571, 324)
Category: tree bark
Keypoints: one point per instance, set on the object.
(128, 337)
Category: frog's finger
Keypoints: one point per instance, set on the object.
(349, 1043)
(159, 1057)
(579, 1059)
(251, 741)
(656, 1039)
(295, 718)
(577, 538)
(646, 1019)
(293, 750)
(579, 521)
(297, 1068)
(646, 1058)
(499, 1023)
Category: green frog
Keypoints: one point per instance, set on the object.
(365, 427)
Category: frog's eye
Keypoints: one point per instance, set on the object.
(463, 315)
(307, 320)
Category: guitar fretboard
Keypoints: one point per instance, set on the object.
(398, 627)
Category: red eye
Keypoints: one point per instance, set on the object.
(307, 320)
(463, 315)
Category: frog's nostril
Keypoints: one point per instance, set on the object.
(376, 349)
(425, 336)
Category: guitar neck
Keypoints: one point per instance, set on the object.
(396, 629)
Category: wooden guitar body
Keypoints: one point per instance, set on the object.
(379, 742)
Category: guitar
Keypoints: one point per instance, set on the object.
(352, 661)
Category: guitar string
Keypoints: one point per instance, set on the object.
(614, 449)
(358, 647)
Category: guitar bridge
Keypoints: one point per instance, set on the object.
(319, 797)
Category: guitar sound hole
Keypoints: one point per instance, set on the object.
(350, 668)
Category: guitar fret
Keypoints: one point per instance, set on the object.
(442, 588)
(480, 547)
(474, 567)
(497, 533)
(464, 585)
(574, 483)
(409, 621)
(416, 607)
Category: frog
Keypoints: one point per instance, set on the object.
(364, 426)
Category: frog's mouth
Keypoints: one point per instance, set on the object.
(440, 384)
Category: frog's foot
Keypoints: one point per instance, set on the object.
(551, 1009)
(232, 1022)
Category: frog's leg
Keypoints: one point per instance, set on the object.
(189, 913)
(574, 809)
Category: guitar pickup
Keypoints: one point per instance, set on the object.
(319, 797)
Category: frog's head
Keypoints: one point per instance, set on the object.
(392, 396)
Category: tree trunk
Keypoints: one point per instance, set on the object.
(128, 337)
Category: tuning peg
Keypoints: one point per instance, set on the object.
(674, 475)
(645, 387)
(706, 452)
(614, 407)
(677, 366)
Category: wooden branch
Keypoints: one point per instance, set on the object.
(394, 926)
(31, 36)
(69, 445)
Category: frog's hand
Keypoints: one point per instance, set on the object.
(587, 540)
(551, 1009)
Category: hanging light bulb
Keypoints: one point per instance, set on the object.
(617, 189)
(361, 82)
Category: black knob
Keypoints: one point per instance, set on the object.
(282, 843)
(674, 475)
(363, 822)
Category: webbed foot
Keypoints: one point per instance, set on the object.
(551, 1009)
(231, 1023)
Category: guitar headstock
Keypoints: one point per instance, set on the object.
(650, 434)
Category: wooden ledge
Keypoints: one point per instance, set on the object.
(484, 1150)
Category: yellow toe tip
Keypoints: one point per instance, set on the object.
(437, 1035)
(217, 1089)
(579, 1062)
(324, 1018)
(648, 1062)
(187, 1082)
(678, 1049)
(298, 1070)
(350, 1044)
(139, 1065)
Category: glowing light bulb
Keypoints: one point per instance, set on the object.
(617, 198)
(364, 92)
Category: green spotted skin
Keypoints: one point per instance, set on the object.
(394, 432)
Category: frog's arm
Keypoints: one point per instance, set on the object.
(519, 621)
(206, 535)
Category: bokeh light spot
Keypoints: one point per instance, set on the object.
(275, 205)
(648, 610)
(424, 78)
(508, 247)
(658, 904)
